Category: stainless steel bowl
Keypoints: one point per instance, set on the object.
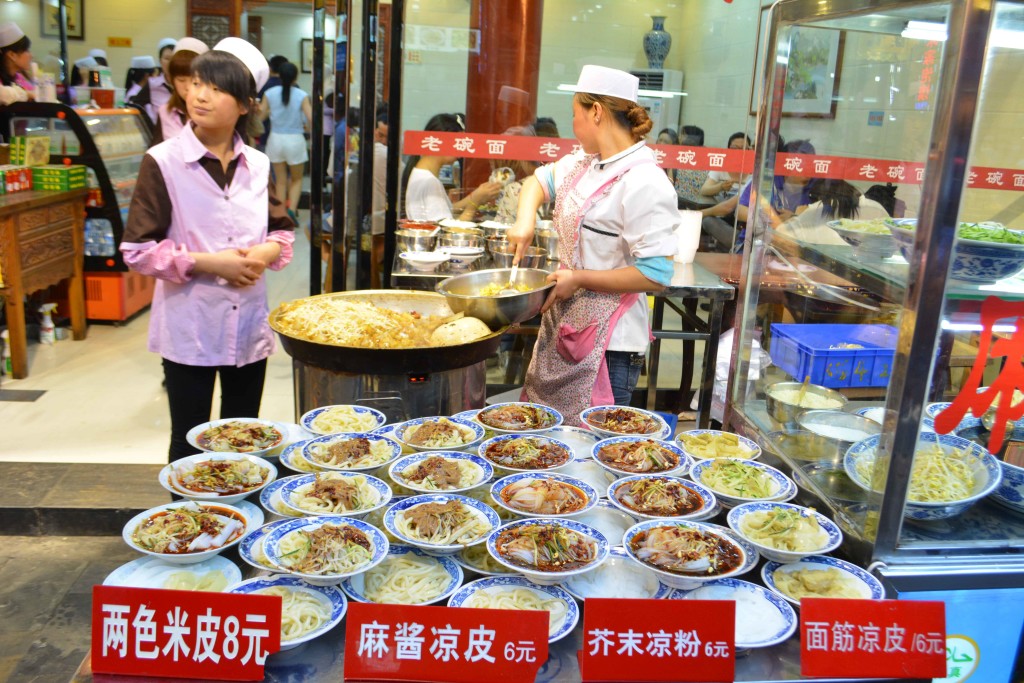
(461, 230)
(494, 243)
(533, 258)
(547, 239)
(462, 293)
(494, 229)
(415, 240)
(800, 444)
(787, 412)
(452, 239)
(842, 429)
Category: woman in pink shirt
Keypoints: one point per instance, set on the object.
(204, 222)
(173, 116)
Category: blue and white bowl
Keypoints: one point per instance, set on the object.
(985, 467)
(272, 546)
(753, 450)
(974, 261)
(498, 584)
(877, 413)
(831, 538)
(291, 457)
(617, 577)
(478, 561)
(465, 426)
(331, 598)
(609, 520)
(748, 553)
(588, 415)
(616, 490)
(270, 498)
(483, 512)
(250, 549)
(679, 470)
(932, 411)
(355, 586)
(588, 491)
(1010, 493)
(307, 420)
(292, 491)
(553, 415)
(394, 450)
(580, 440)
(550, 578)
(751, 628)
(483, 468)
(541, 438)
(867, 585)
(782, 487)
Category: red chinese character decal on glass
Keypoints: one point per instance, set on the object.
(972, 399)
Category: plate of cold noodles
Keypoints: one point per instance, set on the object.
(186, 533)
(307, 611)
(525, 453)
(475, 558)
(227, 478)
(270, 498)
(617, 577)
(517, 593)
(407, 576)
(651, 496)
(237, 435)
(735, 481)
(212, 575)
(543, 495)
(335, 493)
(949, 474)
(548, 550)
(684, 552)
(615, 420)
(250, 549)
(519, 417)
(440, 523)
(711, 443)
(640, 455)
(324, 550)
(785, 532)
(763, 618)
(438, 433)
(819, 576)
(340, 419)
(350, 452)
(447, 471)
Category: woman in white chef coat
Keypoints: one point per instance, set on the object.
(615, 213)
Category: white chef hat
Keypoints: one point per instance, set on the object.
(143, 62)
(249, 55)
(97, 53)
(191, 44)
(10, 33)
(87, 63)
(601, 80)
(166, 42)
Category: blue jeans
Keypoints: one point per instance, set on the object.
(623, 372)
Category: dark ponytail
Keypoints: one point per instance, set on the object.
(442, 123)
(288, 73)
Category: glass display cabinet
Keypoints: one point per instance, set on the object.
(920, 98)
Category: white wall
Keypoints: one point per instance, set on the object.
(283, 28)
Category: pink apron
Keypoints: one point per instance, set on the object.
(568, 370)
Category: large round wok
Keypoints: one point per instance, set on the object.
(390, 361)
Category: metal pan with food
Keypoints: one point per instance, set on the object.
(447, 471)
(519, 418)
(530, 453)
(628, 455)
(544, 495)
(350, 452)
(655, 496)
(619, 420)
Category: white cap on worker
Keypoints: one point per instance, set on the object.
(600, 80)
(10, 33)
(166, 42)
(143, 62)
(249, 55)
(192, 45)
(86, 63)
(97, 53)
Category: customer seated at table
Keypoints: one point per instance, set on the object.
(688, 181)
(831, 200)
(724, 184)
(545, 127)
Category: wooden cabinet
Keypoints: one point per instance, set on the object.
(41, 244)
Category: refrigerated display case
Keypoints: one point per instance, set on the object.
(111, 144)
(922, 94)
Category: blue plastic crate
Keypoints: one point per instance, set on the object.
(815, 351)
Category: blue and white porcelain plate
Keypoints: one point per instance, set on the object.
(272, 545)
(482, 511)
(552, 418)
(465, 426)
(782, 487)
(310, 448)
(355, 587)
(362, 413)
(591, 418)
(589, 492)
(292, 492)
(270, 498)
(617, 577)
(753, 451)
(685, 462)
(250, 549)
(550, 577)
(483, 468)
(580, 440)
(331, 598)
(497, 584)
(869, 587)
(620, 488)
(748, 561)
(487, 452)
(763, 618)
(833, 536)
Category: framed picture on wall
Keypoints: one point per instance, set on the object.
(306, 55)
(812, 72)
(50, 19)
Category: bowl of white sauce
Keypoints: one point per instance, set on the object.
(839, 428)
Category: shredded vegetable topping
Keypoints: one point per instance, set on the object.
(330, 549)
(239, 437)
(737, 479)
(638, 457)
(709, 445)
(218, 476)
(784, 529)
(545, 548)
(935, 477)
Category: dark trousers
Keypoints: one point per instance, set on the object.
(190, 394)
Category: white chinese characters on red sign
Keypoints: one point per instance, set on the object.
(220, 636)
(392, 642)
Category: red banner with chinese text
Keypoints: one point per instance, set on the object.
(183, 634)
(641, 640)
(872, 638)
(444, 644)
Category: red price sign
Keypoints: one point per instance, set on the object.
(872, 638)
(641, 640)
(445, 644)
(183, 634)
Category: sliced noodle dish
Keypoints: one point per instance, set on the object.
(357, 452)
(478, 558)
(440, 433)
(406, 579)
(638, 457)
(220, 477)
(520, 598)
(543, 497)
(189, 528)
(185, 580)
(783, 528)
(239, 436)
(336, 493)
(936, 476)
(526, 453)
(441, 524)
(516, 417)
(344, 419)
(545, 548)
(302, 612)
(659, 497)
(328, 550)
(686, 551)
(438, 473)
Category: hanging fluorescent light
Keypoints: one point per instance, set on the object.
(930, 30)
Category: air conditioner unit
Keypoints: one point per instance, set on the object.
(664, 111)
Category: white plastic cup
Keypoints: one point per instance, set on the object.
(688, 235)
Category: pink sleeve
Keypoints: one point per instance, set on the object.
(285, 239)
(164, 259)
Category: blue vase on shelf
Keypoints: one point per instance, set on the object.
(657, 43)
